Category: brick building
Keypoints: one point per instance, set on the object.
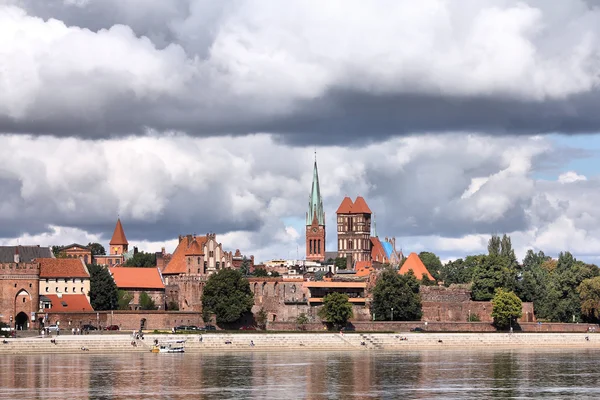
(19, 284)
(315, 221)
(63, 276)
(117, 248)
(354, 230)
(77, 251)
(138, 280)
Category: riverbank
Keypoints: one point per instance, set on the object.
(220, 342)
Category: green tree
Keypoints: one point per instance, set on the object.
(532, 286)
(146, 302)
(506, 307)
(141, 259)
(124, 298)
(301, 321)
(336, 309)
(589, 294)
(397, 292)
(492, 273)
(425, 281)
(432, 263)
(319, 275)
(460, 271)
(103, 291)
(261, 318)
(58, 252)
(494, 245)
(260, 273)
(341, 262)
(97, 249)
(227, 294)
(245, 267)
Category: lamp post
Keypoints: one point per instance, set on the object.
(469, 316)
(392, 314)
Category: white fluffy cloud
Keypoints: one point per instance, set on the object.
(103, 68)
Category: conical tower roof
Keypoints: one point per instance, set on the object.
(118, 237)
(315, 201)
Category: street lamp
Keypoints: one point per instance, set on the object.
(469, 316)
(392, 314)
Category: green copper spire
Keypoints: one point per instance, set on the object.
(315, 202)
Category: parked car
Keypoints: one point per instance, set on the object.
(52, 328)
(187, 328)
(112, 328)
(210, 328)
(417, 329)
(248, 328)
(88, 327)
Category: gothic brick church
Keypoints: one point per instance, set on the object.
(357, 240)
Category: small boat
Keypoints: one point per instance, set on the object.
(170, 346)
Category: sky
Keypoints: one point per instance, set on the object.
(455, 120)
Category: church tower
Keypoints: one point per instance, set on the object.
(315, 221)
(118, 243)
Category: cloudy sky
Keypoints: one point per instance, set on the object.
(454, 119)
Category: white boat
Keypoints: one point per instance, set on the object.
(170, 346)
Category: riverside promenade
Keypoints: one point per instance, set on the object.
(220, 342)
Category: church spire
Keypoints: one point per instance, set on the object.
(315, 201)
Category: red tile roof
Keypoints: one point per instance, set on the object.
(62, 268)
(377, 252)
(118, 236)
(177, 265)
(345, 207)
(360, 206)
(69, 303)
(194, 249)
(414, 262)
(137, 278)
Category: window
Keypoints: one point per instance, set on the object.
(15, 285)
(73, 280)
(23, 299)
(81, 290)
(47, 288)
(217, 265)
(211, 253)
(73, 290)
(46, 280)
(30, 285)
(66, 289)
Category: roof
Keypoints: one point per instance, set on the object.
(177, 265)
(137, 278)
(75, 245)
(69, 302)
(321, 284)
(26, 253)
(194, 249)
(363, 268)
(62, 268)
(378, 254)
(388, 248)
(360, 206)
(414, 263)
(315, 201)
(345, 207)
(118, 236)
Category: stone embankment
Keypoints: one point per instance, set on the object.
(300, 341)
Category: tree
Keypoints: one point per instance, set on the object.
(141, 259)
(319, 275)
(589, 294)
(58, 252)
(494, 245)
(260, 273)
(492, 273)
(261, 318)
(425, 281)
(103, 290)
(172, 306)
(124, 299)
(460, 271)
(397, 292)
(336, 309)
(146, 302)
(432, 263)
(532, 286)
(97, 249)
(227, 294)
(341, 262)
(301, 321)
(506, 307)
(245, 267)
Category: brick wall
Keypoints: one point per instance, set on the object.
(127, 320)
(14, 279)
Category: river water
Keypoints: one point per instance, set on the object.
(425, 374)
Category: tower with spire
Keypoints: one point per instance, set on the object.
(118, 243)
(315, 221)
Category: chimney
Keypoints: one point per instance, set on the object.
(17, 258)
